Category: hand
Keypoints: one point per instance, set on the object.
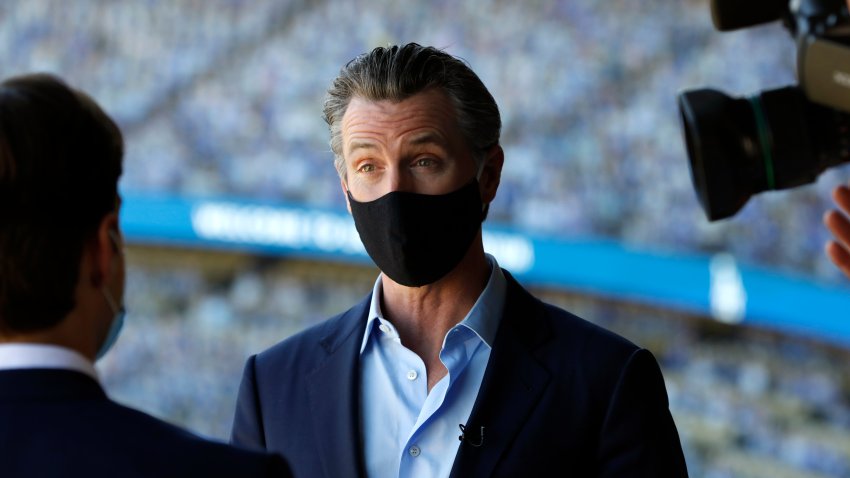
(838, 249)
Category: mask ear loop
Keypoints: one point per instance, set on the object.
(116, 243)
(347, 189)
(348, 193)
(481, 166)
(116, 309)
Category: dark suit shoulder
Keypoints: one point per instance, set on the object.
(568, 346)
(539, 321)
(65, 415)
(294, 396)
(304, 350)
(585, 336)
(593, 355)
(152, 443)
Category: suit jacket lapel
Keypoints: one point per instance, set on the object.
(334, 393)
(512, 385)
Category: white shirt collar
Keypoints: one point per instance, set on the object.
(28, 355)
(483, 319)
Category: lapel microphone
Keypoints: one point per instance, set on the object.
(468, 440)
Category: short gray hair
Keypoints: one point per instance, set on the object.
(399, 72)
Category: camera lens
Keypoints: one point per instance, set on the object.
(743, 146)
(730, 15)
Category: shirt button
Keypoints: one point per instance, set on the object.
(411, 375)
(414, 451)
(384, 328)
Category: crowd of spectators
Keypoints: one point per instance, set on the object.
(223, 97)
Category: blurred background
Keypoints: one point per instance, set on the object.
(238, 237)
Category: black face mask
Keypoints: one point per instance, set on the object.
(416, 239)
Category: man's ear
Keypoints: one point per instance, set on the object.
(103, 249)
(491, 175)
(345, 193)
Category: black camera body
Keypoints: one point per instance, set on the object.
(776, 139)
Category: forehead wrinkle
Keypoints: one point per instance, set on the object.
(418, 135)
(427, 137)
(375, 125)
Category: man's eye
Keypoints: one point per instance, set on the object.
(366, 168)
(424, 162)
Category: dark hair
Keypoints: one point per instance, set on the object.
(398, 72)
(60, 160)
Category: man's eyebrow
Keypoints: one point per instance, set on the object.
(428, 137)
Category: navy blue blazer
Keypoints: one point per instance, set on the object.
(57, 422)
(560, 396)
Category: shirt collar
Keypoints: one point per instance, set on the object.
(375, 317)
(485, 315)
(483, 319)
(27, 355)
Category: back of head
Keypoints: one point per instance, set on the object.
(399, 72)
(60, 160)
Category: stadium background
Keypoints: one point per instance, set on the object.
(220, 103)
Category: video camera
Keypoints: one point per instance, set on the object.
(780, 138)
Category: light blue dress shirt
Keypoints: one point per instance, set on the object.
(408, 432)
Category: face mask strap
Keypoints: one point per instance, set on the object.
(114, 328)
(481, 167)
(115, 241)
(110, 300)
(350, 197)
(116, 309)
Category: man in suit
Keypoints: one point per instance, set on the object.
(61, 307)
(449, 367)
